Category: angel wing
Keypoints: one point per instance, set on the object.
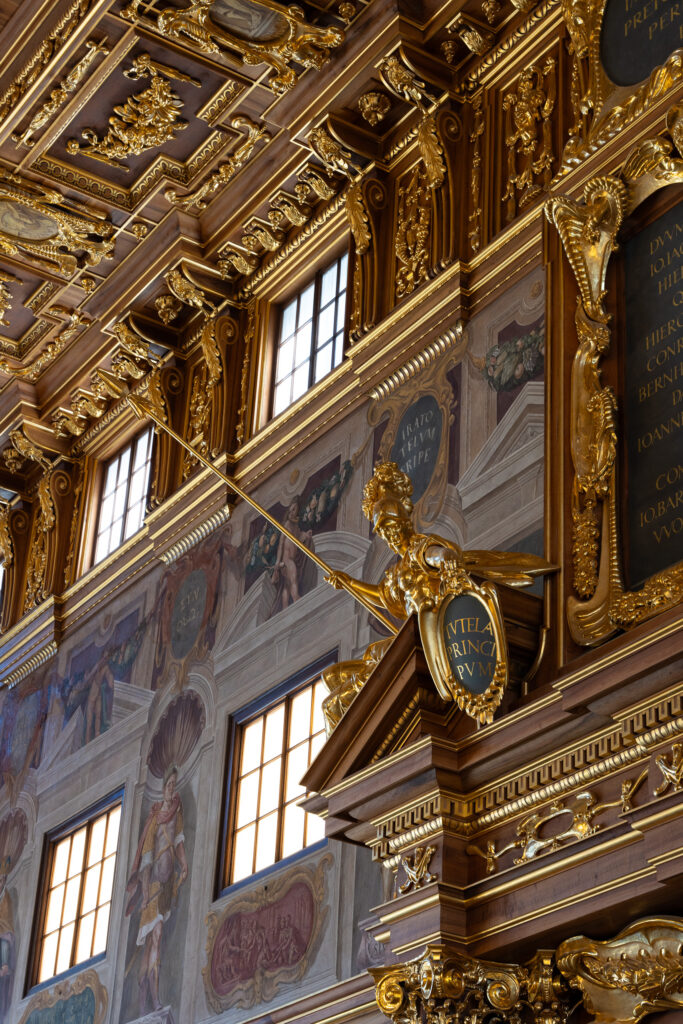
(515, 568)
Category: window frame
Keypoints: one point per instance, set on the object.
(51, 839)
(282, 304)
(236, 723)
(130, 442)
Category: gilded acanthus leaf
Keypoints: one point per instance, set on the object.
(358, 219)
(431, 151)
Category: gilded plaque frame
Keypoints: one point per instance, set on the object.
(601, 108)
(480, 706)
(601, 604)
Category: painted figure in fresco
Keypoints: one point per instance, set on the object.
(159, 870)
(6, 944)
(414, 581)
(290, 561)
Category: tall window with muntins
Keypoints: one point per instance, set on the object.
(77, 898)
(311, 337)
(124, 495)
(273, 752)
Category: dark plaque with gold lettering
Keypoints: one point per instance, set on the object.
(418, 438)
(470, 642)
(653, 399)
(637, 36)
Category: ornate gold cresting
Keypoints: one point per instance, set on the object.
(290, 37)
(38, 223)
(638, 972)
(146, 120)
(226, 171)
(528, 135)
(59, 95)
(589, 233)
(443, 982)
(601, 109)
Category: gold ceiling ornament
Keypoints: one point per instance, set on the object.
(597, 117)
(75, 320)
(638, 972)
(581, 825)
(225, 172)
(588, 230)
(491, 10)
(249, 341)
(168, 307)
(40, 224)
(144, 121)
(374, 106)
(413, 91)
(295, 210)
(429, 988)
(6, 296)
(528, 136)
(322, 189)
(48, 49)
(60, 94)
(460, 622)
(258, 235)
(256, 31)
(671, 769)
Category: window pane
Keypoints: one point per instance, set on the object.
(107, 879)
(247, 799)
(325, 325)
(92, 884)
(306, 305)
(303, 344)
(84, 940)
(101, 925)
(77, 852)
(243, 856)
(266, 841)
(270, 787)
(300, 382)
(114, 819)
(285, 359)
(251, 746)
(61, 861)
(55, 906)
(281, 399)
(292, 830)
(47, 960)
(66, 939)
(288, 320)
(297, 763)
(323, 362)
(328, 287)
(300, 717)
(70, 912)
(274, 732)
(97, 840)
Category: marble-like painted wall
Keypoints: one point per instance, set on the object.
(139, 697)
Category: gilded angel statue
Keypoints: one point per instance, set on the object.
(414, 583)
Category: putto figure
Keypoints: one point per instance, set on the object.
(415, 582)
